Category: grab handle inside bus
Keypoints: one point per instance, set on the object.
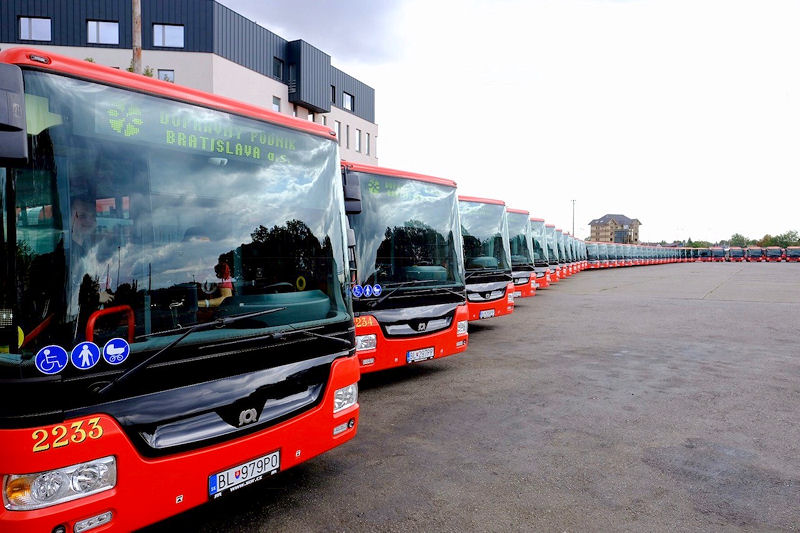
(116, 310)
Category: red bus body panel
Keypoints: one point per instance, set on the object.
(391, 352)
(501, 306)
(151, 489)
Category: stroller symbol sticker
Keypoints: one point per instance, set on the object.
(85, 355)
(51, 359)
(116, 351)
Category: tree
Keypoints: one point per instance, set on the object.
(790, 238)
(737, 239)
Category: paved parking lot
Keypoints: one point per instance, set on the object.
(653, 398)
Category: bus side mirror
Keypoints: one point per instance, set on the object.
(352, 193)
(13, 132)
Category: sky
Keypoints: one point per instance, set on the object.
(684, 114)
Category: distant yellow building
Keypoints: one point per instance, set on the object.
(615, 228)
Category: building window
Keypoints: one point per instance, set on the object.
(367, 143)
(99, 32)
(276, 104)
(311, 117)
(337, 126)
(34, 29)
(348, 101)
(358, 140)
(347, 136)
(277, 68)
(168, 35)
(166, 75)
(333, 94)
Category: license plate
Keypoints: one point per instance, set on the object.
(413, 356)
(244, 474)
(489, 313)
(517, 294)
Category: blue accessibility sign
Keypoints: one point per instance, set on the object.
(85, 355)
(51, 359)
(358, 291)
(367, 290)
(377, 290)
(116, 351)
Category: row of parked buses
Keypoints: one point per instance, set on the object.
(603, 254)
(751, 254)
(191, 288)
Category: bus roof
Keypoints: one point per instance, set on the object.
(480, 200)
(361, 167)
(537, 219)
(549, 226)
(79, 68)
(518, 211)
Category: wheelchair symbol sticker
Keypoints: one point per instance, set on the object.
(377, 290)
(116, 351)
(51, 359)
(358, 291)
(85, 355)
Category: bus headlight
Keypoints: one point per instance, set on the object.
(25, 492)
(366, 342)
(461, 327)
(510, 298)
(345, 397)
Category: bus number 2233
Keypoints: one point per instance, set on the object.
(63, 435)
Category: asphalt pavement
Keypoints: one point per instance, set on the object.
(655, 398)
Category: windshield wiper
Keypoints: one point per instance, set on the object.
(478, 272)
(218, 323)
(311, 334)
(394, 288)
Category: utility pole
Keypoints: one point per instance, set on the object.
(573, 218)
(137, 35)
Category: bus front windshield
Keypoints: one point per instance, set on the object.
(774, 252)
(717, 252)
(539, 239)
(592, 252)
(552, 248)
(793, 252)
(484, 229)
(519, 239)
(756, 252)
(407, 231)
(166, 215)
(736, 252)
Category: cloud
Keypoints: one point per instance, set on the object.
(352, 31)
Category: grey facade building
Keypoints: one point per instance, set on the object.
(205, 45)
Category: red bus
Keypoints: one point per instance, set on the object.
(774, 254)
(793, 254)
(554, 258)
(755, 254)
(540, 257)
(519, 238)
(177, 325)
(487, 257)
(409, 297)
(717, 254)
(735, 254)
(704, 255)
